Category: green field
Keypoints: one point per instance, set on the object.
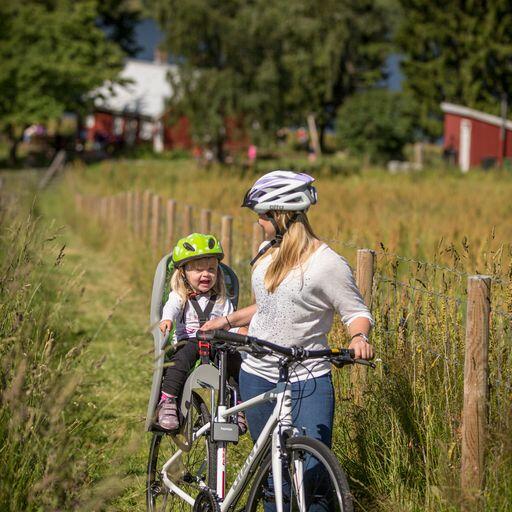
(79, 441)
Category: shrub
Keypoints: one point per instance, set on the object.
(377, 123)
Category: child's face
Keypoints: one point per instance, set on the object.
(202, 274)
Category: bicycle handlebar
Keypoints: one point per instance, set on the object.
(343, 355)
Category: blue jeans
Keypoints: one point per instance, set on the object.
(312, 413)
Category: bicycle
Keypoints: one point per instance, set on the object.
(284, 467)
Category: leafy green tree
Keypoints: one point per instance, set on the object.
(455, 51)
(332, 49)
(270, 63)
(52, 54)
(202, 35)
(376, 123)
(119, 18)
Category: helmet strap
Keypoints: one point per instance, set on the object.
(262, 251)
(278, 238)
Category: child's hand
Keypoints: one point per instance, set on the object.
(165, 326)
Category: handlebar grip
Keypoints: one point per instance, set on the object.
(204, 335)
(221, 335)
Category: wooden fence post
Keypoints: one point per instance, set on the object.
(227, 238)
(364, 274)
(171, 223)
(110, 209)
(123, 201)
(364, 280)
(93, 206)
(137, 214)
(129, 210)
(206, 221)
(146, 205)
(119, 214)
(103, 209)
(187, 220)
(474, 413)
(258, 235)
(155, 222)
(114, 209)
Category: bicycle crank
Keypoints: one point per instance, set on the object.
(206, 501)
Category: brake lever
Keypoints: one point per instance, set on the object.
(364, 362)
(343, 361)
(230, 349)
(340, 362)
(259, 352)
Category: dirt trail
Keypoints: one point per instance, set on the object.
(119, 375)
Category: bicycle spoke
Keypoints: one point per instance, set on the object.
(312, 481)
(186, 472)
(164, 502)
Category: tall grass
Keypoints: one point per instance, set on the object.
(45, 420)
(422, 215)
(401, 446)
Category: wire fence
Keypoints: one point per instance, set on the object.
(425, 323)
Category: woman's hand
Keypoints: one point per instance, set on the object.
(239, 318)
(165, 326)
(362, 349)
(215, 323)
(359, 329)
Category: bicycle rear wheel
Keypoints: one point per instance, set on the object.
(196, 465)
(313, 480)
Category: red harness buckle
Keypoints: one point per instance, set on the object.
(204, 348)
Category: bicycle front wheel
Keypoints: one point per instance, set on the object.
(313, 480)
(196, 465)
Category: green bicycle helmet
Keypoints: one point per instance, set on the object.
(196, 246)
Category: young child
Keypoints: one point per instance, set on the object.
(198, 294)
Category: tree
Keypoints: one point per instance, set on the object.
(52, 54)
(377, 123)
(118, 19)
(332, 49)
(202, 34)
(455, 51)
(270, 63)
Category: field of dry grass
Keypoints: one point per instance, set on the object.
(401, 447)
(421, 215)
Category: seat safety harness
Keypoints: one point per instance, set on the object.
(203, 316)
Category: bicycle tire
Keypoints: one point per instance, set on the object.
(334, 496)
(198, 463)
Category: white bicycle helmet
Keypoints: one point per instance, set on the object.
(281, 190)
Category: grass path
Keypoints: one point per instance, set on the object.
(118, 374)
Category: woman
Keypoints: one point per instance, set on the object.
(298, 284)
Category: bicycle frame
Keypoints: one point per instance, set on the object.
(273, 432)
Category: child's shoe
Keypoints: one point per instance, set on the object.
(168, 418)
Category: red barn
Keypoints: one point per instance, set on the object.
(137, 111)
(475, 137)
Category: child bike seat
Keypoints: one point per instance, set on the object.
(161, 289)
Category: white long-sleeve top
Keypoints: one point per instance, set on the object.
(301, 310)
